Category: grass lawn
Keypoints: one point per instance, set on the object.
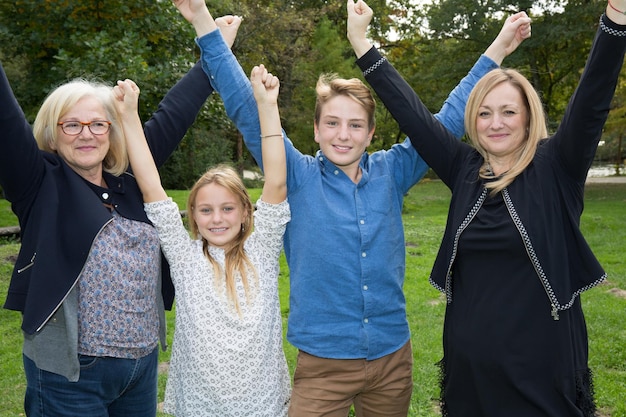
(603, 223)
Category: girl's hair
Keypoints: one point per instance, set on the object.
(236, 260)
(536, 128)
(330, 86)
(61, 100)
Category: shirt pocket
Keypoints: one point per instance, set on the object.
(379, 195)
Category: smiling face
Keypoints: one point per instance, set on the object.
(501, 125)
(343, 133)
(218, 215)
(84, 152)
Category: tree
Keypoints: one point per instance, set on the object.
(455, 32)
(46, 43)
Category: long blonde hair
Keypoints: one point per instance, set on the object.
(236, 260)
(536, 128)
(61, 100)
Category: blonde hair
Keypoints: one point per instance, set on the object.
(63, 99)
(236, 260)
(536, 128)
(330, 86)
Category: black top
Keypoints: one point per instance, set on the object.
(500, 341)
(513, 264)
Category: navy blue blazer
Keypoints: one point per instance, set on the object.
(59, 213)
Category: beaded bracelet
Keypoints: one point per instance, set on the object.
(272, 136)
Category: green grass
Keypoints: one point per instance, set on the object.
(603, 223)
(7, 218)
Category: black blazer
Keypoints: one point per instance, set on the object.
(546, 200)
(59, 213)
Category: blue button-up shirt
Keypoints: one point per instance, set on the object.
(345, 242)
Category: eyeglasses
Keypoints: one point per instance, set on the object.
(97, 127)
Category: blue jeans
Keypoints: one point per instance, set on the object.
(107, 387)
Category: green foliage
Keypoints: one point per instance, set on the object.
(45, 43)
(327, 55)
(13, 382)
(48, 43)
(61, 40)
(7, 218)
(454, 33)
(205, 145)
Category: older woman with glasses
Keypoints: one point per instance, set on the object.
(89, 279)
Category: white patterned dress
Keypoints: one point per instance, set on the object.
(224, 364)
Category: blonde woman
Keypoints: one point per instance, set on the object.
(513, 260)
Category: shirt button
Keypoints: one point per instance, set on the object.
(365, 287)
(366, 321)
(363, 255)
(336, 172)
(362, 222)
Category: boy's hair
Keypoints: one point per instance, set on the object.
(63, 99)
(236, 260)
(536, 128)
(330, 86)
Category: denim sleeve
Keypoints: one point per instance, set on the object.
(452, 112)
(232, 84)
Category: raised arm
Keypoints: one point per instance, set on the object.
(581, 127)
(266, 87)
(126, 94)
(515, 29)
(196, 13)
(21, 161)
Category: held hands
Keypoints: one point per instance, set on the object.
(359, 17)
(126, 97)
(265, 86)
(196, 13)
(516, 28)
(192, 10)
